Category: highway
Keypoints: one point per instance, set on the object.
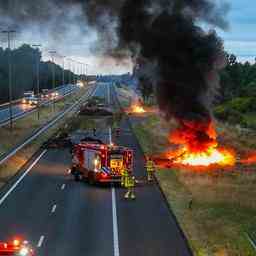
(19, 109)
(63, 217)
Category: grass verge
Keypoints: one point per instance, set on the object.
(223, 203)
(24, 128)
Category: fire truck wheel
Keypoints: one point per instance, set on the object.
(91, 180)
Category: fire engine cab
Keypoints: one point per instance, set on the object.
(100, 163)
(15, 248)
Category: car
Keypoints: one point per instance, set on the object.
(27, 96)
(54, 95)
(33, 101)
(16, 248)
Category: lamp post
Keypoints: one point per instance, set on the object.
(52, 53)
(38, 79)
(9, 32)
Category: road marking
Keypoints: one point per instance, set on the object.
(40, 242)
(110, 135)
(22, 177)
(115, 226)
(54, 208)
(63, 186)
(251, 241)
(108, 94)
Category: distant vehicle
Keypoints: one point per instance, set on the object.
(100, 163)
(26, 97)
(33, 101)
(54, 95)
(16, 248)
(45, 94)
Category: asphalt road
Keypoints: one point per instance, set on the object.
(20, 108)
(62, 217)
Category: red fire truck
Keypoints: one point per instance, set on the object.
(100, 163)
(16, 247)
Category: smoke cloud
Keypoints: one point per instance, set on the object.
(171, 38)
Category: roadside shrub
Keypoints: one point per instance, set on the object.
(245, 104)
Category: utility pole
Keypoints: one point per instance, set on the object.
(53, 77)
(63, 69)
(74, 72)
(38, 79)
(9, 32)
(86, 73)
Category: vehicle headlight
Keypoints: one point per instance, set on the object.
(24, 251)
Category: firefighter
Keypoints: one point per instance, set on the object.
(150, 166)
(94, 131)
(129, 184)
(124, 174)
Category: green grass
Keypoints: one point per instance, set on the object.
(23, 128)
(27, 125)
(223, 203)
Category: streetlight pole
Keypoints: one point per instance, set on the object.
(86, 73)
(53, 77)
(74, 72)
(63, 69)
(38, 79)
(9, 32)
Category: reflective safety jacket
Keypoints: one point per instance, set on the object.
(129, 181)
(150, 166)
(124, 175)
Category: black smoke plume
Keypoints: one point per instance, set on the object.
(169, 40)
(184, 58)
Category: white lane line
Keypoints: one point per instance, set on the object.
(40, 242)
(115, 226)
(108, 94)
(21, 177)
(63, 186)
(110, 135)
(54, 208)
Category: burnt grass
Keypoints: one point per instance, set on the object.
(216, 207)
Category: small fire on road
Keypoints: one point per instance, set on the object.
(136, 108)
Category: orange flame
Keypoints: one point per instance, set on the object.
(199, 146)
(212, 155)
(137, 109)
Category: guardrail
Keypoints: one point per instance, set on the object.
(45, 127)
(5, 105)
(252, 239)
(14, 102)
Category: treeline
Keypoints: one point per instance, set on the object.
(237, 101)
(237, 79)
(24, 76)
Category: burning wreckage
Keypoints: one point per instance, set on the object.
(95, 107)
(182, 61)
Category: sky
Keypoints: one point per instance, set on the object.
(78, 43)
(240, 38)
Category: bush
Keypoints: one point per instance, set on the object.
(245, 104)
(230, 115)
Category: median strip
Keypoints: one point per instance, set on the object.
(41, 130)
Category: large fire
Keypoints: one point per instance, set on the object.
(199, 146)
